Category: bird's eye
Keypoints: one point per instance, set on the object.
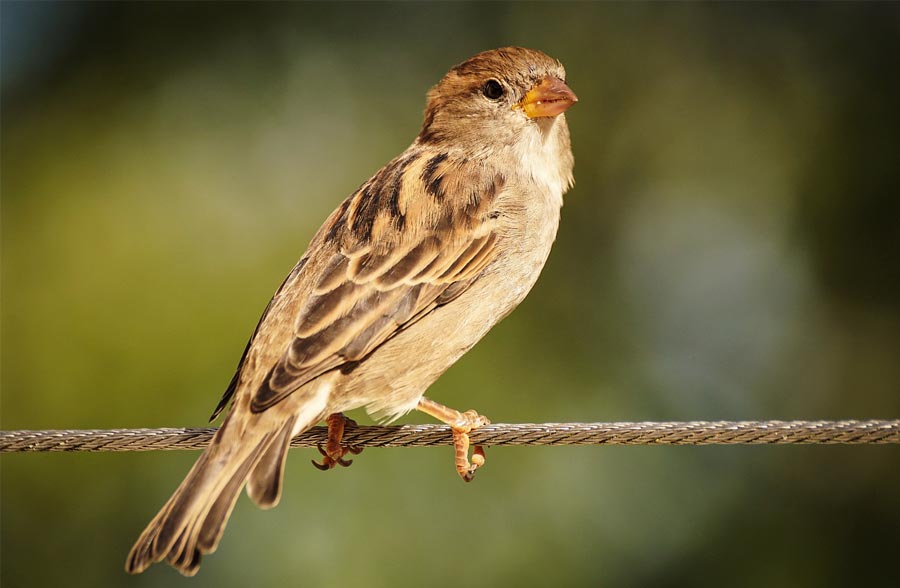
(492, 89)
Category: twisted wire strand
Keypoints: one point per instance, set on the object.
(844, 432)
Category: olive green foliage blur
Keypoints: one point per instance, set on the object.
(730, 251)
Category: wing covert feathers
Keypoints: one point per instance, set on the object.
(418, 228)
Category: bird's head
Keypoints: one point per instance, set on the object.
(498, 99)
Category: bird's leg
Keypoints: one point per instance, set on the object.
(334, 452)
(461, 423)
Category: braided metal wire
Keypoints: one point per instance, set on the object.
(847, 432)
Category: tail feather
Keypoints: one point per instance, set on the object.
(213, 525)
(191, 523)
(264, 485)
(249, 448)
(171, 530)
(205, 529)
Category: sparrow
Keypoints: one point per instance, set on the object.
(400, 281)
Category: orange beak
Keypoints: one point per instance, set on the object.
(549, 98)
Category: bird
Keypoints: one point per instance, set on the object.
(402, 279)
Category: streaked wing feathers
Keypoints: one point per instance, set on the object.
(412, 238)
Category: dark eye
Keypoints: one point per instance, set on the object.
(492, 89)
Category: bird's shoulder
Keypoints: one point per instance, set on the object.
(424, 190)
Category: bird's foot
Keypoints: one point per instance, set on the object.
(333, 453)
(461, 423)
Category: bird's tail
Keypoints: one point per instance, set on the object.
(191, 523)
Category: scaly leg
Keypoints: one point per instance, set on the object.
(461, 423)
(334, 452)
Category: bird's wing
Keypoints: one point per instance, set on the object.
(412, 238)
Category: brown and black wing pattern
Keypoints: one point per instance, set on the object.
(409, 240)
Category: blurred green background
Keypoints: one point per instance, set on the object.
(730, 251)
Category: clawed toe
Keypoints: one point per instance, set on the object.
(329, 461)
(473, 420)
(461, 424)
(333, 453)
(465, 467)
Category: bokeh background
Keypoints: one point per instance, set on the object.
(730, 251)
